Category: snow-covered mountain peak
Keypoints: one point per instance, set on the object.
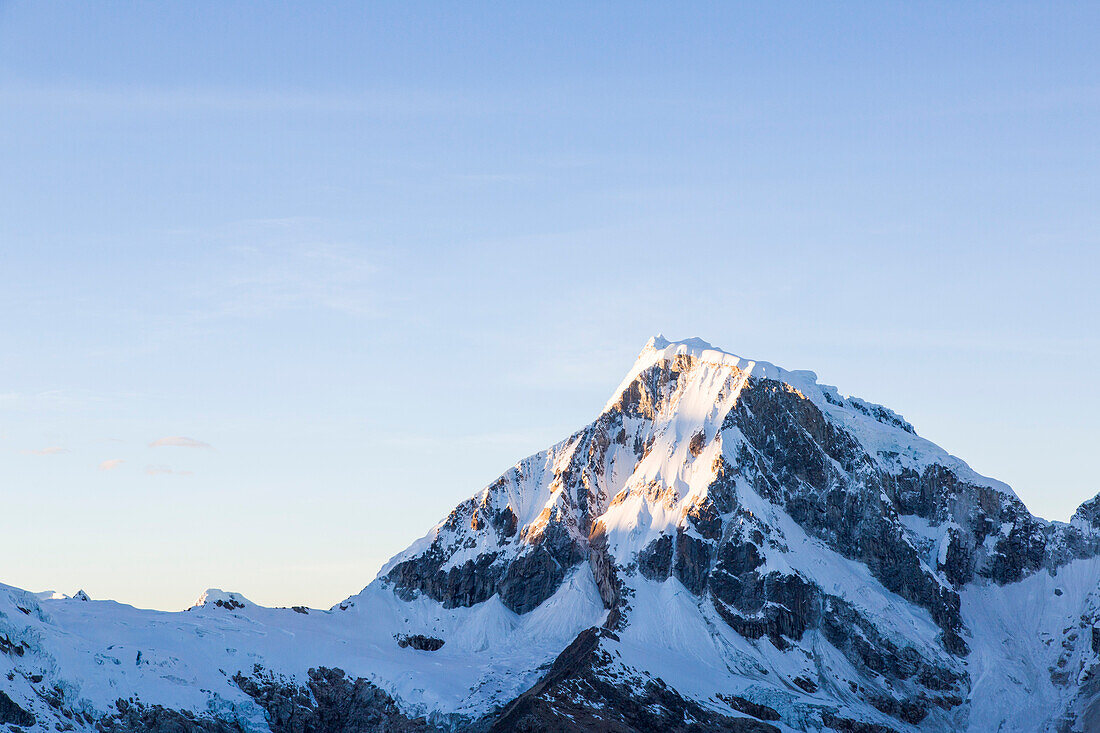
(659, 349)
(662, 350)
(218, 598)
(728, 545)
(887, 435)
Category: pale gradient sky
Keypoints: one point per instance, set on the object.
(279, 286)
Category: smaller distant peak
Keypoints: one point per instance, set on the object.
(218, 598)
(81, 596)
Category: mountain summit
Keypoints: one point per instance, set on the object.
(727, 546)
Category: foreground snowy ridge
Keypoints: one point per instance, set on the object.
(728, 546)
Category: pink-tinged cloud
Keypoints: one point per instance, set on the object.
(164, 471)
(178, 441)
(51, 451)
(111, 464)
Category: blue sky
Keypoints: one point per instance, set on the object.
(370, 256)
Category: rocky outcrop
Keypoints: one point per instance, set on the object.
(748, 707)
(692, 564)
(420, 642)
(655, 559)
(135, 717)
(468, 584)
(579, 694)
(329, 702)
(774, 605)
(530, 580)
(11, 713)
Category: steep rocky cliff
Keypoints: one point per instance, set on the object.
(727, 546)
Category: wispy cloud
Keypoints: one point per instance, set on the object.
(111, 464)
(219, 100)
(165, 471)
(330, 276)
(178, 441)
(26, 399)
(507, 439)
(59, 400)
(53, 450)
(273, 266)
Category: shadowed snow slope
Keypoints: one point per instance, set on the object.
(727, 546)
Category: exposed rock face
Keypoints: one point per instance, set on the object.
(139, 718)
(692, 561)
(420, 642)
(471, 583)
(524, 568)
(774, 605)
(836, 492)
(10, 712)
(530, 579)
(581, 692)
(329, 702)
(655, 561)
(748, 707)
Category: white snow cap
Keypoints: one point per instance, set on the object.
(881, 430)
(659, 348)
